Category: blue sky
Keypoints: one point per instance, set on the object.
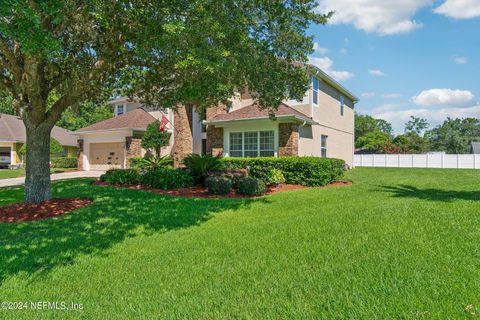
(404, 57)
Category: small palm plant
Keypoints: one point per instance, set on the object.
(153, 162)
(199, 165)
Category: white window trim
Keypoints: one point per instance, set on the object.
(258, 143)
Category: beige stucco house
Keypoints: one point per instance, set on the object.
(322, 125)
(13, 136)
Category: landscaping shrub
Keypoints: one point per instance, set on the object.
(63, 162)
(251, 186)
(234, 175)
(167, 178)
(199, 165)
(218, 185)
(121, 176)
(275, 177)
(307, 171)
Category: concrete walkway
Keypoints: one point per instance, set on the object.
(56, 176)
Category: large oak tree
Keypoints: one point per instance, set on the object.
(164, 52)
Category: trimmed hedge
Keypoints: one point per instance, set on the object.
(307, 171)
(167, 178)
(121, 176)
(63, 162)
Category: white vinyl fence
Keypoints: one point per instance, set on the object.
(450, 161)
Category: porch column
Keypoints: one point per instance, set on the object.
(215, 135)
(287, 139)
(182, 135)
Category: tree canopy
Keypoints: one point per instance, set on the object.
(61, 53)
(455, 135)
(365, 125)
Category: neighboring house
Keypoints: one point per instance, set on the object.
(321, 125)
(13, 136)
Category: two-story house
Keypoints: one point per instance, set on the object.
(322, 125)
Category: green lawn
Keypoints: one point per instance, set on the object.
(14, 173)
(398, 244)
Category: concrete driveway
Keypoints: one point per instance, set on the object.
(56, 176)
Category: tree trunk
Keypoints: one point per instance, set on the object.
(37, 180)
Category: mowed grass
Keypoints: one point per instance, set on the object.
(11, 173)
(397, 244)
(15, 173)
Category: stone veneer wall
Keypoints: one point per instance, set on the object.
(215, 135)
(288, 139)
(80, 154)
(133, 149)
(183, 136)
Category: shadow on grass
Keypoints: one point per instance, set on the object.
(432, 194)
(115, 215)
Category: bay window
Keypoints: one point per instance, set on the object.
(252, 144)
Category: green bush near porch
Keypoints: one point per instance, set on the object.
(307, 171)
(63, 162)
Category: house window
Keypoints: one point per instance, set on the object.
(120, 109)
(323, 146)
(252, 144)
(267, 144)
(315, 87)
(250, 147)
(236, 144)
(342, 105)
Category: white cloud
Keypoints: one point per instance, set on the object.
(391, 95)
(386, 107)
(318, 49)
(343, 51)
(459, 9)
(368, 94)
(398, 118)
(460, 60)
(376, 72)
(445, 98)
(326, 64)
(385, 17)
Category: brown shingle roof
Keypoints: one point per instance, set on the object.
(135, 119)
(12, 129)
(253, 112)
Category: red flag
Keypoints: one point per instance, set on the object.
(163, 123)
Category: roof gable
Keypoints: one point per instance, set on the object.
(12, 129)
(253, 111)
(135, 119)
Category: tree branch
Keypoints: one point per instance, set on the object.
(76, 91)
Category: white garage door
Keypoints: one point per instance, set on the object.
(104, 156)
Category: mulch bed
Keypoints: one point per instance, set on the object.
(21, 212)
(202, 192)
